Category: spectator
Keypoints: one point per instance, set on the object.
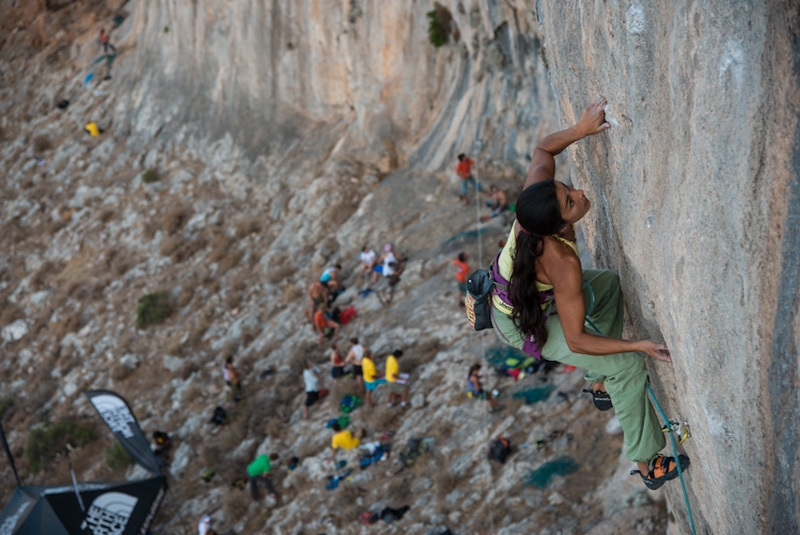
(330, 277)
(498, 203)
(233, 379)
(258, 471)
(204, 526)
(368, 259)
(462, 272)
(311, 382)
(354, 357)
(464, 172)
(318, 294)
(337, 362)
(326, 327)
(476, 388)
(398, 382)
(372, 378)
(344, 439)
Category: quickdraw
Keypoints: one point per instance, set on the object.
(681, 430)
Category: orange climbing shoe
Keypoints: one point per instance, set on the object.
(658, 470)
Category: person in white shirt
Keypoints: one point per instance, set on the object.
(204, 527)
(312, 386)
(368, 258)
(354, 357)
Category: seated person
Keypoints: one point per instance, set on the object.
(326, 327)
(330, 277)
(344, 439)
(389, 265)
(498, 203)
(368, 259)
(318, 293)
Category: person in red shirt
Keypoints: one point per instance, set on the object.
(464, 172)
(326, 327)
(104, 40)
(462, 272)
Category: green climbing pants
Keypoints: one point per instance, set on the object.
(624, 374)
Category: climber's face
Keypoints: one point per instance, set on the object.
(572, 203)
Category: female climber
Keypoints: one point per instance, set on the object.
(555, 310)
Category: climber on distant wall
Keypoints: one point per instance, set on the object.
(544, 312)
(105, 41)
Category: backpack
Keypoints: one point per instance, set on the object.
(219, 416)
(476, 302)
(368, 518)
(480, 287)
(499, 449)
(349, 403)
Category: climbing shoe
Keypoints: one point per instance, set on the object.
(601, 399)
(658, 471)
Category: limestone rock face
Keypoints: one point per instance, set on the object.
(268, 74)
(695, 195)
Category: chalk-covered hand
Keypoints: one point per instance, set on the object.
(593, 119)
(655, 350)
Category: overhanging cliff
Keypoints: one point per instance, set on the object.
(696, 191)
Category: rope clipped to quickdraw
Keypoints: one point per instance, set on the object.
(675, 455)
(670, 427)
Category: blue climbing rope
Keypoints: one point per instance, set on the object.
(666, 422)
(675, 454)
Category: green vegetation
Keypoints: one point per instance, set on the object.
(5, 405)
(118, 457)
(438, 20)
(153, 308)
(49, 441)
(151, 175)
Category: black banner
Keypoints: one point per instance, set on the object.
(121, 508)
(116, 413)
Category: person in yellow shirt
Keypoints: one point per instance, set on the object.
(372, 378)
(344, 439)
(92, 129)
(398, 382)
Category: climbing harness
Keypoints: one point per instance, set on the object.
(675, 454)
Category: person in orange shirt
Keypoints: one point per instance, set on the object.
(462, 272)
(464, 172)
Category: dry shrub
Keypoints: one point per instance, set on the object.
(280, 273)
(235, 504)
(69, 324)
(192, 392)
(9, 314)
(186, 250)
(445, 482)
(380, 418)
(228, 261)
(170, 244)
(188, 369)
(308, 448)
(174, 219)
(119, 264)
(347, 502)
(119, 372)
(442, 432)
(41, 278)
(42, 143)
(247, 227)
(107, 215)
(398, 488)
(241, 280)
(291, 293)
(220, 244)
(149, 228)
(210, 454)
(232, 299)
(342, 387)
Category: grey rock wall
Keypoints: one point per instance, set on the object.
(695, 192)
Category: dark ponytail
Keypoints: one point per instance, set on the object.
(539, 216)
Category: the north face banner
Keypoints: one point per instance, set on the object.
(118, 416)
(121, 508)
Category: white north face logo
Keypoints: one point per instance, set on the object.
(109, 513)
(116, 414)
